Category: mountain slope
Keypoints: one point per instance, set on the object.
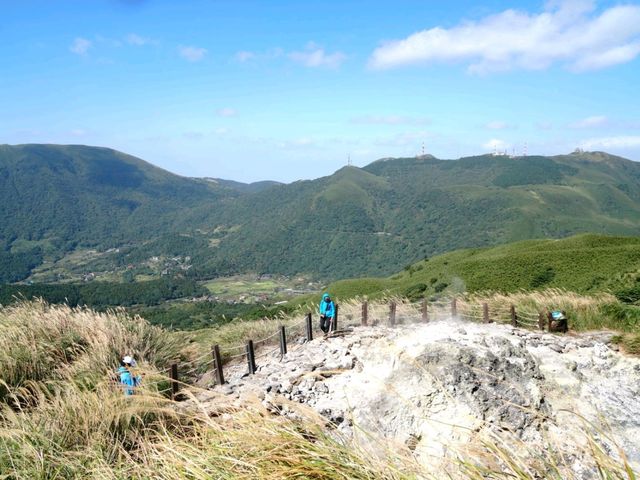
(243, 187)
(376, 219)
(53, 198)
(358, 221)
(582, 263)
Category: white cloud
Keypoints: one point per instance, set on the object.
(314, 56)
(192, 54)
(390, 120)
(621, 141)
(495, 144)
(245, 56)
(81, 46)
(137, 40)
(613, 56)
(496, 125)
(591, 122)
(227, 112)
(566, 32)
(78, 132)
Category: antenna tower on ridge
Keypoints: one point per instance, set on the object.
(525, 149)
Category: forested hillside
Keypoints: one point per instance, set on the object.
(390, 213)
(358, 221)
(56, 198)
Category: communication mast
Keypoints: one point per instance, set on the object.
(525, 149)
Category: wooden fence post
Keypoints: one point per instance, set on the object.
(485, 313)
(251, 357)
(514, 317)
(392, 313)
(541, 321)
(174, 381)
(365, 313)
(283, 341)
(454, 307)
(217, 363)
(334, 324)
(309, 327)
(425, 311)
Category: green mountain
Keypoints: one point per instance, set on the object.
(358, 221)
(243, 187)
(54, 198)
(583, 263)
(377, 219)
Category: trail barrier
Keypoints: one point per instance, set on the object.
(392, 313)
(174, 381)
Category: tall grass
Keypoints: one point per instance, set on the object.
(103, 435)
(43, 343)
(65, 427)
(585, 312)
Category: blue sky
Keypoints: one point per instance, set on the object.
(287, 90)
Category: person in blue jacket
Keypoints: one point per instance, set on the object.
(128, 380)
(327, 313)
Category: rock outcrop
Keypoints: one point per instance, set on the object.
(436, 387)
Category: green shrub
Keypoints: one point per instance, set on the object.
(440, 287)
(415, 292)
(622, 317)
(543, 277)
(629, 295)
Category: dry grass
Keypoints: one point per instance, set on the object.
(56, 345)
(61, 417)
(101, 434)
(601, 311)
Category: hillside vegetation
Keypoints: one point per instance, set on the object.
(358, 221)
(582, 263)
(376, 219)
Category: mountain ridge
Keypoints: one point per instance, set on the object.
(357, 221)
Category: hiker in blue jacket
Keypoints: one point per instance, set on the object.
(128, 380)
(327, 313)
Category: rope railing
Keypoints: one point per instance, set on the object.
(392, 313)
(259, 342)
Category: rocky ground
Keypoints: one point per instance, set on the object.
(434, 387)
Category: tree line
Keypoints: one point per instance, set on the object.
(104, 294)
